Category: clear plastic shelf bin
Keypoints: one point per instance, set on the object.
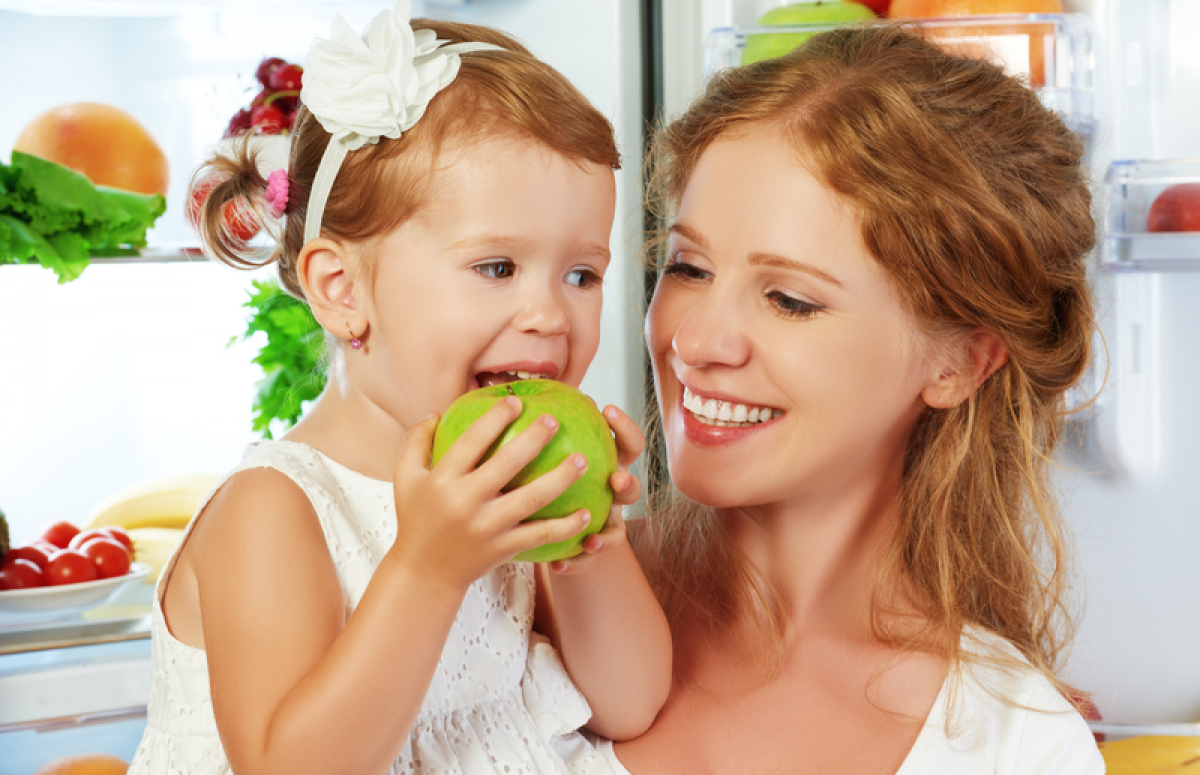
(1137, 213)
(1056, 52)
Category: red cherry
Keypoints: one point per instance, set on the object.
(266, 67)
(239, 220)
(286, 78)
(267, 119)
(239, 123)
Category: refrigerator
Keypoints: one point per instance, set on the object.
(1127, 77)
(137, 369)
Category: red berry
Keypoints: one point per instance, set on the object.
(286, 78)
(266, 67)
(267, 119)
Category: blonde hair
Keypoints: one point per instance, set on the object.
(973, 197)
(506, 93)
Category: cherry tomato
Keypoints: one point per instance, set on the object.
(21, 574)
(121, 535)
(59, 534)
(38, 554)
(70, 566)
(109, 557)
(83, 536)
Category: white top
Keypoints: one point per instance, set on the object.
(499, 702)
(1036, 732)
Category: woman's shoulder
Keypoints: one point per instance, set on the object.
(1000, 712)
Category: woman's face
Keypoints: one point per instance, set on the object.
(787, 367)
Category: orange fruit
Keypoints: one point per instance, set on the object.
(1038, 33)
(85, 764)
(100, 141)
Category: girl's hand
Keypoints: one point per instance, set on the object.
(453, 522)
(626, 490)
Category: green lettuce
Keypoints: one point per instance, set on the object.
(53, 216)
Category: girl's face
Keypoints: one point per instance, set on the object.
(786, 365)
(498, 277)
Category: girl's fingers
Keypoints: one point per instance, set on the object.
(465, 452)
(627, 488)
(517, 453)
(418, 442)
(630, 440)
(519, 504)
(538, 532)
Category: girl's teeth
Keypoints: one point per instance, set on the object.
(528, 375)
(724, 414)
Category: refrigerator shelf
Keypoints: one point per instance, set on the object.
(1145, 197)
(1055, 51)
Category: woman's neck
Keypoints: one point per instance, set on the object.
(350, 429)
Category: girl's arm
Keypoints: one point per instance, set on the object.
(599, 611)
(299, 687)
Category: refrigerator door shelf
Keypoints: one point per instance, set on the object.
(1144, 198)
(1055, 51)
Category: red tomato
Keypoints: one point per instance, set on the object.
(21, 574)
(39, 554)
(83, 536)
(59, 534)
(70, 566)
(109, 557)
(121, 535)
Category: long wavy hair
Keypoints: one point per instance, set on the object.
(975, 200)
(497, 94)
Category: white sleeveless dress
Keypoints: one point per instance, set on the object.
(500, 700)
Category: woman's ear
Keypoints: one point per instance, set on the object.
(985, 353)
(324, 273)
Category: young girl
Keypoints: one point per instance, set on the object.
(338, 605)
(873, 298)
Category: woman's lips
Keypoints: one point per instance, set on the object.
(712, 422)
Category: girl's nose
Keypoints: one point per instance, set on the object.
(543, 313)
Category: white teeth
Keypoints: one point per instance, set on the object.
(724, 414)
(526, 375)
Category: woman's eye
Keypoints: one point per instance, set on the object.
(684, 271)
(791, 307)
(582, 277)
(496, 270)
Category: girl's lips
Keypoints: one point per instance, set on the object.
(510, 372)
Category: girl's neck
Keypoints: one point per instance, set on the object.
(348, 428)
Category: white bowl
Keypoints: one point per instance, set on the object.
(23, 606)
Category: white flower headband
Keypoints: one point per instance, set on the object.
(379, 85)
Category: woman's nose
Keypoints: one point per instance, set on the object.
(710, 334)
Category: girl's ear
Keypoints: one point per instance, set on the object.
(323, 271)
(985, 354)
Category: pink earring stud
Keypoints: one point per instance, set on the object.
(355, 342)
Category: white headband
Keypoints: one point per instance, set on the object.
(379, 85)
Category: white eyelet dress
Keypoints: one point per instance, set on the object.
(500, 700)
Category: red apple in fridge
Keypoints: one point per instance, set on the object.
(1177, 208)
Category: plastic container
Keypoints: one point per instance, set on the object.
(1140, 224)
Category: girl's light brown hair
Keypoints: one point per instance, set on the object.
(975, 200)
(497, 94)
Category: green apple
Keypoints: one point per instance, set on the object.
(822, 15)
(581, 428)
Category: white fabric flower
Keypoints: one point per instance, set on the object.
(376, 85)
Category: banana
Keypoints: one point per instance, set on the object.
(169, 501)
(1149, 754)
(153, 546)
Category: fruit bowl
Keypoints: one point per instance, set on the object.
(45, 604)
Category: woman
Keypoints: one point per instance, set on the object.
(872, 300)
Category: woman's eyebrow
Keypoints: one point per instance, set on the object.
(782, 262)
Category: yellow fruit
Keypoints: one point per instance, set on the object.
(169, 501)
(153, 546)
(100, 141)
(1152, 755)
(85, 764)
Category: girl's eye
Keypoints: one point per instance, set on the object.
(681, 270)
(496, 270)
(583, 277)
(791, 307)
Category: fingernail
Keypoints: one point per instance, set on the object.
(579, 461)
(610, 412)
(513, 401)
(587, 517)
(550, 421)
(430, 416)
(560, 566)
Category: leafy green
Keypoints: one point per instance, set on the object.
(53, 216)
(292, 360)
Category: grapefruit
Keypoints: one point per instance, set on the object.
(85, 764)
(100, 141)
(1040, 35)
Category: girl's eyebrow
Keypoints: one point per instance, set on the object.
(760, 258)
(505, 242)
